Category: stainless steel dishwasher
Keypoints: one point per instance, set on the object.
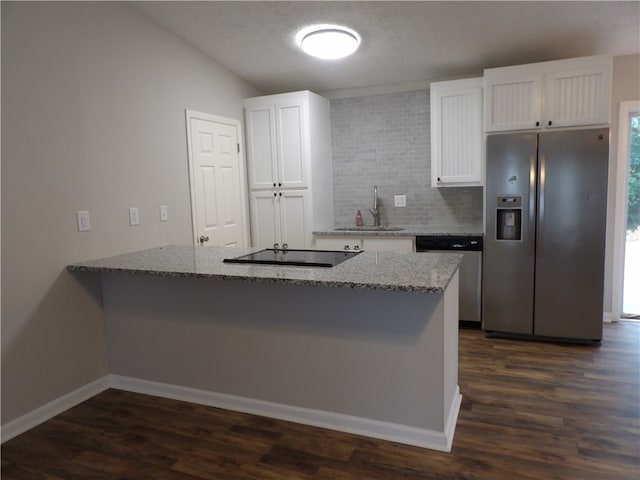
(470, 271)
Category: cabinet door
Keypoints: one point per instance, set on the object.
(578, 97)
(292, 143)
(380, 244)
(261, 147)
(294, 218)
(265, 221)
(456, 133)
(338, 243)
(512, 98)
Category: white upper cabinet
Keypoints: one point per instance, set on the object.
(261, 147)
(277, 141)
(291, 143)
(562, 93)
(456, 133)
(579, 96)
(512, 98)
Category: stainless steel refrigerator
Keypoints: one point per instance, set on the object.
(543, 259)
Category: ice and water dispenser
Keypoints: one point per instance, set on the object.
(509, 217)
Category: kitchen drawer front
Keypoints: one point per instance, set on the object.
(370, 243)
(338, 243)
(385, 244)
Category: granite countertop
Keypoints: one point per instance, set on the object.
(409, 272)
(407, 231)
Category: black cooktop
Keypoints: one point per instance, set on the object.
(299, 258)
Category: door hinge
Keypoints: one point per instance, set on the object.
(238, 147)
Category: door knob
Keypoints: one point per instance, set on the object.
(203, 238)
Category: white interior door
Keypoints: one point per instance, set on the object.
(217, 181)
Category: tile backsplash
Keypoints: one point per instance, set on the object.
(384, 140)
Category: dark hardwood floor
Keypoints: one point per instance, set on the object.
(530, 411)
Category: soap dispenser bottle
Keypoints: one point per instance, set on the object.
(359, 221)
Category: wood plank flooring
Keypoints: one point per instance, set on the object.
(530, 411)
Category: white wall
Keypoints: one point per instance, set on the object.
(626, 86)
(93, 100)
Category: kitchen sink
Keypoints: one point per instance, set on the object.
(371, 228)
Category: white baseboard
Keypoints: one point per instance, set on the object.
(334, 421)
(419, 437)
(450, 426)
(51, 409)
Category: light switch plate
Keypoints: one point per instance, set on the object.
(164, 213)
(84, 221)
(400, 200)
(134, 216)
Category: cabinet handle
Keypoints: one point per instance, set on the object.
(549, 123)
(275, 194)
(357, 247)
(280, 193)
(203, 238)
(438, 179)
(274, 184)
(279, 184)
(537, 124)
(346, 247)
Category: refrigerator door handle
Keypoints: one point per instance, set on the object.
(531, 238)
(541, 185)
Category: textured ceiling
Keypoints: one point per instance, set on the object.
(402, 42)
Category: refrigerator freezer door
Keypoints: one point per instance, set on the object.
(508, 265)
(572, 204)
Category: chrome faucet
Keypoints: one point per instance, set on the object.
(375, 211)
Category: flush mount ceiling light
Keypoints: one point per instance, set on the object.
(328, 42)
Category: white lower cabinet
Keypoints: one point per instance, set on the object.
(368, 243)
(385, 244)
(280, 217)
(338, 243)
(294, 218)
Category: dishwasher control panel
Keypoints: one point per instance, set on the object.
(449, 242)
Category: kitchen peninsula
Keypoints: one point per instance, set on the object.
(369, 346)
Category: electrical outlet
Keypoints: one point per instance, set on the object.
(400, 200)
(84, 222)
(164, 213)
(134, 216)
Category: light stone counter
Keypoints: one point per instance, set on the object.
(424, 272)
(407, 231)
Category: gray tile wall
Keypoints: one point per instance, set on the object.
(384, 140)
